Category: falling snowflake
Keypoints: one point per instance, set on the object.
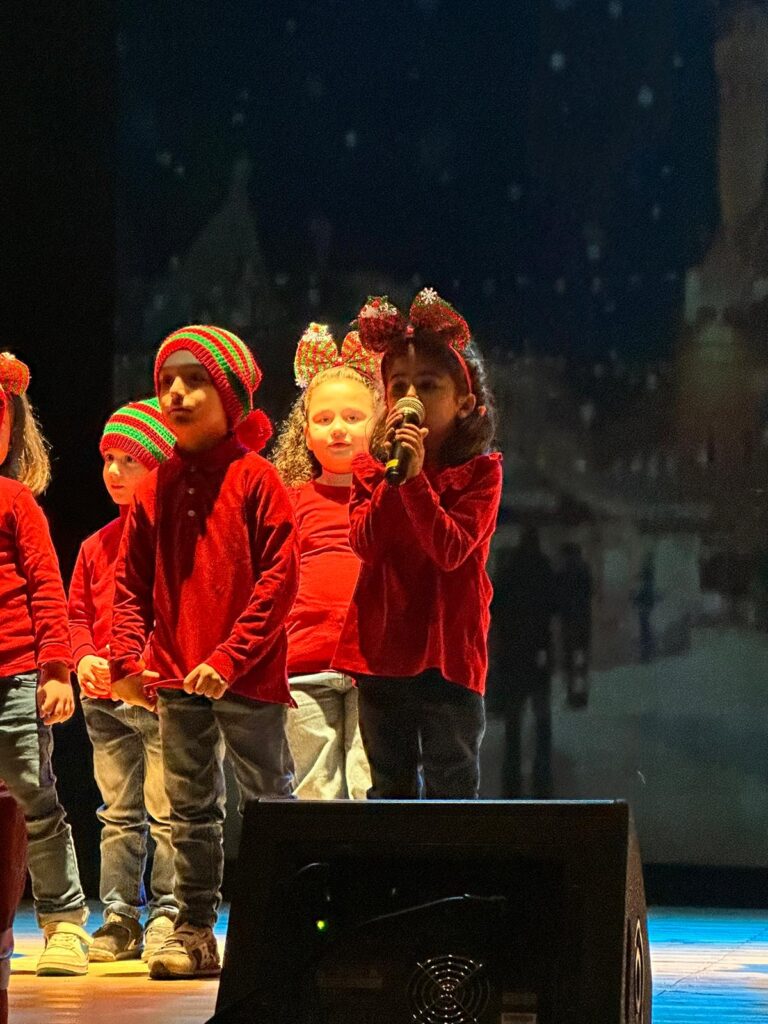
(164, 158)
(594, 252)
(557, 61)
(350, 139)
(514, 192)
(560, 286)
(645, 97)
(564, 5)
(281, 280)
(666, 171)
(656, 212)
(244, 96)
(417, 282)
(313, 297)
(597, 285)
(609, 308)
(291, 26)
(615, 9)
(677, 61)
(238, 118)
(522, 280)
(489, 287)
(179, 170)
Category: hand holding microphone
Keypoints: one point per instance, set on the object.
(406, 453)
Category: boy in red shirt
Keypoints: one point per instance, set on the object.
(209, 564)
(127, 762)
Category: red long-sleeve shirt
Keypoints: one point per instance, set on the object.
(422, 599)
(92, 590)
(208, 564)
(329, 571)
(33, 608)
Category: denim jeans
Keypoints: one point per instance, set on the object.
(26, 746)
(325, 739)
(421, 725)
(128, 766)
(194, 733)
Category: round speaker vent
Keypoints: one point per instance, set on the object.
(448, 989)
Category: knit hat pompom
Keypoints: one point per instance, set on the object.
(255, 430)
(233, 369)
(138, 429)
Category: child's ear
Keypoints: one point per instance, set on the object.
(466, 406)
(307, 441)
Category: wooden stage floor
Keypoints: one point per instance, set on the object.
(708, 965)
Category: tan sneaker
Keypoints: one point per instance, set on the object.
(188, 952)
(119, 938)
(155, 934)
(66, 949)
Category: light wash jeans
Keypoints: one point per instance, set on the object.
(128, 766)
(194, 733)
(26, 746)
(324, 736)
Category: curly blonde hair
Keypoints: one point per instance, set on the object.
(27, 460)
(290, 456)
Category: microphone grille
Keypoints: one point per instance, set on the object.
(410, 403)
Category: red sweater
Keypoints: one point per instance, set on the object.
(92, 590)
(423, 596)
(329, 571)
(208, 564)
(33, 608)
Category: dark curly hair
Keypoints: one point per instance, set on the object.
(474, 434)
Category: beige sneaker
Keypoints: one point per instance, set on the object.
(155, 934)
(188, 952)
(66, 949)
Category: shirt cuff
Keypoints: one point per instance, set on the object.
(82, 651)
(223, 664)
(119, 668)
(54, 652)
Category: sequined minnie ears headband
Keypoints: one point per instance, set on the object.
(14, 375)
(317, 351)
(382, 326)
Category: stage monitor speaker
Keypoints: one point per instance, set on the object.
(437, 913)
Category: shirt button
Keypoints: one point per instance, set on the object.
(190, 511)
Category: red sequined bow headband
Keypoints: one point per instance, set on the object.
(382, 326)
(317, 351)
(14, 375)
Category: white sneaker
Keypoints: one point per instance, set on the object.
(188, 952)
(157, 931)
(66, 949)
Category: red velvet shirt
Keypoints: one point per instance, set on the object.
(92, 590)
(208, 564)
(33, 608)
(329, 571)
(423, 596)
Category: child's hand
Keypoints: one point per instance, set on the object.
(411, 438)
(205, 682)
(55, 700)
(93, 676)
(131, 689)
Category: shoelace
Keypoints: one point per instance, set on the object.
(66, 939)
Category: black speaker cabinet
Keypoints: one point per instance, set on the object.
(437, 913)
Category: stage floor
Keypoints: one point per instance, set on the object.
(708, 965)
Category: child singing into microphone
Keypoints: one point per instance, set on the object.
(328, 426)
(415, 637)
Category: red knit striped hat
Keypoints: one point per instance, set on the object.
(233, 369)
(138, 429)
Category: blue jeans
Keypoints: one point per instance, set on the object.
(195, 732)
(26, 746)
(128, 766)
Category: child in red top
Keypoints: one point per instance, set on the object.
(126, 739)
(327, 427)
(416, 634)
(35, 691)
(208, 565)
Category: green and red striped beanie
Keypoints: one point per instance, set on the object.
(233, 369)
(138, 429)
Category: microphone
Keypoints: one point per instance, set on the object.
(397, 463)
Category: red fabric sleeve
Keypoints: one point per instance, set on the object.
(132, 611)
(273, 528)
(449, 537)
(82, 613)
(40, 567)
(369, 501)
